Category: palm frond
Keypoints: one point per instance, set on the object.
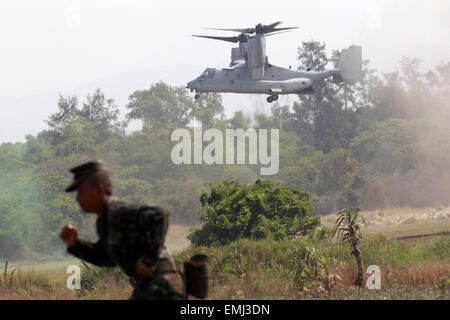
(348, 223)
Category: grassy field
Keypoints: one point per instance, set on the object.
(307, 268)
(311, 268)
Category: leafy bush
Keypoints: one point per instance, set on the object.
(312, 268)
(263, 209)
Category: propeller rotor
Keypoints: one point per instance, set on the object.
(258, 29)
(243, 37)
(248, 30)
(245, 34)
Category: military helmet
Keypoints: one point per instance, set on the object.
(83, 172)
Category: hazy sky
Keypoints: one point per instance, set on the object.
(58, 45)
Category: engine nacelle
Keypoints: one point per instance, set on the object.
(256, 56)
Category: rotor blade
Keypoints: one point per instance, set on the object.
(281, 29)
(248, 30)
(273, 25)
(272, 34)
(262, 29)
(229, 39)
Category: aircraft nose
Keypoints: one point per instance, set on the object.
(191, 84)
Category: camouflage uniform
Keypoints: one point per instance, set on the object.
(129, 234)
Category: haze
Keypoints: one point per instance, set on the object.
(73, 47)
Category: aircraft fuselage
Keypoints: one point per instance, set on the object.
(276, 80)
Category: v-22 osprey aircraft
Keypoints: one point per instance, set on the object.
(250, 72)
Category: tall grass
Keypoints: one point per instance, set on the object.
(312, 267)
(269, 268)
(27, 283)
(7, 278)
(98, 280)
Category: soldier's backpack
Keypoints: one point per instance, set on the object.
(196, 275)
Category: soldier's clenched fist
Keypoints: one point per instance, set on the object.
(69, 235)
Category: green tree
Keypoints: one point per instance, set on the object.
(134, 190)
(56, 121)
(320, 113)
(312, 55)
(79, 136)
(232, 211)
(279, 114)
(161, 105)
(36, 150)
(100, 112)
(240, 121)
(208, 109)
(328, 117)
(387, 146)
(103, 114)
(180, 198)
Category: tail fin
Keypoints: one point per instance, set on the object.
(350, 64)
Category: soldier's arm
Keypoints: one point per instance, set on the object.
(154, 222)
(94, 253)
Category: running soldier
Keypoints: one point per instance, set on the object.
(130, 236)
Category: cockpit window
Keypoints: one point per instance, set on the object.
(208, 74)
